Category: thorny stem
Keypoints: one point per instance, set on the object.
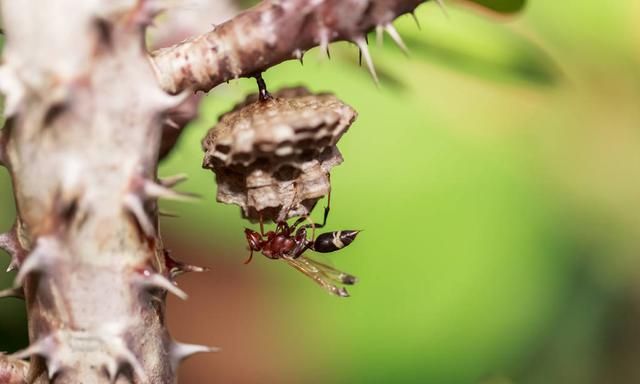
(270, 33)
(84, 113)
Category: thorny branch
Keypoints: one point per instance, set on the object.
(82, 140)
(270, 33)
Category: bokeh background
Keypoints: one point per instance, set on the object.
(496, 175)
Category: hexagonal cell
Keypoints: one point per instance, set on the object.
(273, 157)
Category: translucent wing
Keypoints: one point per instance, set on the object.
(325, 276)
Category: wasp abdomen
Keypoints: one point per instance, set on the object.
(332, 241)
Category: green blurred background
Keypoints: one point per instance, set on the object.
(495, 172)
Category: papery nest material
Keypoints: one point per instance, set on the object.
(273, 157)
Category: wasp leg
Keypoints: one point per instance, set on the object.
(302, 244)
(324, 218)
(261, 224)
(250, 258)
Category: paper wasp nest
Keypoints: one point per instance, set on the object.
(272, 157)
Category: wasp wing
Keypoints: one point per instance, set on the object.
(325, 276)
(331, 273)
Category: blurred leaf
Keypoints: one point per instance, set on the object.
(516, 60)
(477, 46)
(501, 6)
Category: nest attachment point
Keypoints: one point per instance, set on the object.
(273, 157)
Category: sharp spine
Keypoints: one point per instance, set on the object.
(158, 191)
(443, 7)
(172, 181)
(17, 292)
(299, 54)
(150, 279)
(43, 254)
(9, 242)
(379, 35)
(324, 42)
(125, 355)
(134, 205)
(415, 18)
(364, 49)
(395, 36)
(171, 123)
(181, 351)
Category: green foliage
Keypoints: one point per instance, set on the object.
(477, 260)
(502, 6)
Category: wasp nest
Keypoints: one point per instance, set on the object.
(272, 157)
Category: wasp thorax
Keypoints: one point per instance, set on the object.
(272, 157)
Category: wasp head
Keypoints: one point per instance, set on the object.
(253, 238)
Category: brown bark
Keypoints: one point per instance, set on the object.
(81, 143)
(85, 106)
(13, 371)
(270, 33)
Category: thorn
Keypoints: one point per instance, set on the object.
(42, 347)
(171, 123)
(134, 205)
(324, 42)
(362, 44)
(171, 181)
(443, 8)
(150, 279)
(9, 242)
(395, 36)
(167, 214)
(379, 35)
(13, 89)
(17, 292)
(13, 265)
(53, 368)
(124, 355)
(166, 101)
(158, 191)
(112, 367)
(181, 351)
(177, 268)
(298, 54)
(38, 260)
(415, 18)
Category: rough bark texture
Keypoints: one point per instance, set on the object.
(270, 33)
(13, 371)
(82, 139)
(85, 107)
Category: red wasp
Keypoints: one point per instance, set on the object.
(290, 242)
